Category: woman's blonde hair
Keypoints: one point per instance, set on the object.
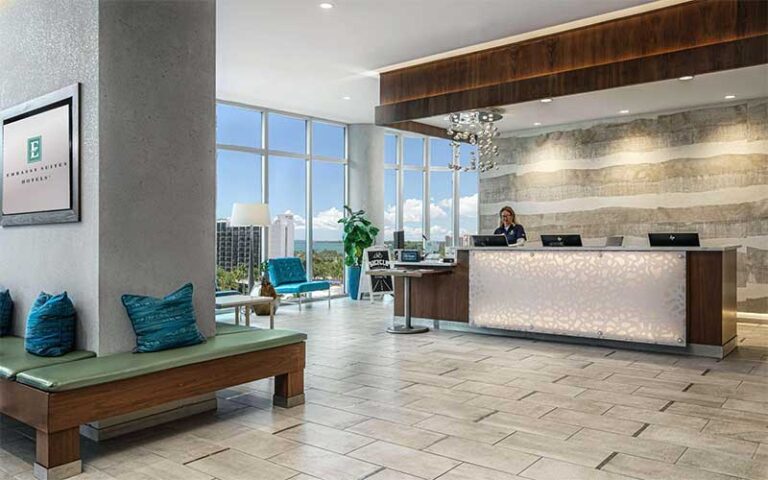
(511, 212)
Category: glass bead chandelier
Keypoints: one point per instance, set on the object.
(476, 128)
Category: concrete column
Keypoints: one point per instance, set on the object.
(157, 176)
(366, 172)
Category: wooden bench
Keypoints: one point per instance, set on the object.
(57, 398)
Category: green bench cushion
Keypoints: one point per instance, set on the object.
(224, 328)
(111, 368)
(14, 359)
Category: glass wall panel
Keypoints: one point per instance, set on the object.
(440, 152)
(328, 206)
(287, 134)
(441, 207)
(468, 198)
(238, 179)
(238, 126)
(390, 148)
(413, 151)
(413, 196)
(287, 196)
(327, 140)
(390, 204)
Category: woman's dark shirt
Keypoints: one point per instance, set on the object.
(512, 233)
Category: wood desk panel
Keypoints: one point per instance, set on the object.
(439, 297)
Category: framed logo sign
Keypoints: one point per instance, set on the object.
(40, 142)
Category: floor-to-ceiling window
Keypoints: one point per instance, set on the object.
(421, 193)
(296, 164)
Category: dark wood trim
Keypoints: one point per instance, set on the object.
(692, 38)
(76, 407)
(25, 404)
(439, 297)
(57, 416)
(707, 59)
(421, 128)
(57, 448)
(711, 297)
(729, 296)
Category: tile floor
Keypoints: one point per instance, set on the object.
(457, 406)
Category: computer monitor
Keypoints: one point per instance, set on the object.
(674, 239)
(570, 240)
(399, 239)
(489, 241)
(614, 241)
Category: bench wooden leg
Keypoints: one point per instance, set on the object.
(289, 389)
(58, 454)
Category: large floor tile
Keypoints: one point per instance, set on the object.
(538, 426)
(694, 439)
(450, 408)
(328, 438)
(549, 469)
(637, 467)
(589, 456)
(235, 465)
(406, 436)
(465, 429)
(259, 444)
(497, 458)
(639, 447)
(723, 463)
(655, 417)
(597, 422)
(404, 459)
(324, 464)
(467, 471)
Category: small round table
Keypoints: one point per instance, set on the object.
(407, 275)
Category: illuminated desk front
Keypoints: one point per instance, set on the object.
(674, 297)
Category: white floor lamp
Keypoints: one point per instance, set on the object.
(251, 215)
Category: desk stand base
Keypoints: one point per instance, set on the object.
(407, 329)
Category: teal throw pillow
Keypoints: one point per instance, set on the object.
(6, 310)
(51, 326)
(163, 323)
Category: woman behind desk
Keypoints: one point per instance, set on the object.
(508, 227)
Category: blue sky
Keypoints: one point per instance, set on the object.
(239, 175)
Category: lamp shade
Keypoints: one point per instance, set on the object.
(250, 215)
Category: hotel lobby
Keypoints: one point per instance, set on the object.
(408, 240)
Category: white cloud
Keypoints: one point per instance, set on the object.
(438, 232)
(468, 206)
(411, 210)
(328, 220)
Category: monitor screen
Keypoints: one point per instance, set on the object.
(489, 240)
(399, 239)
(570, 240)
(614, 241)
(674, 239)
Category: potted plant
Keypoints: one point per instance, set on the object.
(359, 234)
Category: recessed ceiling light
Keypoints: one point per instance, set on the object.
(730, 97)
(346, 98)
(685, 78)
(326, 5)
(536, 124)
(546, 100)
(623, 112)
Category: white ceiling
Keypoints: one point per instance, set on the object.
(292, 55)
(667, 95)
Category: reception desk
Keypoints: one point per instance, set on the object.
(681, 299)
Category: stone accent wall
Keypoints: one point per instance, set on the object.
(704, 170)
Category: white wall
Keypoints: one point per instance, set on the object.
(46, 45)
(147, 156)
